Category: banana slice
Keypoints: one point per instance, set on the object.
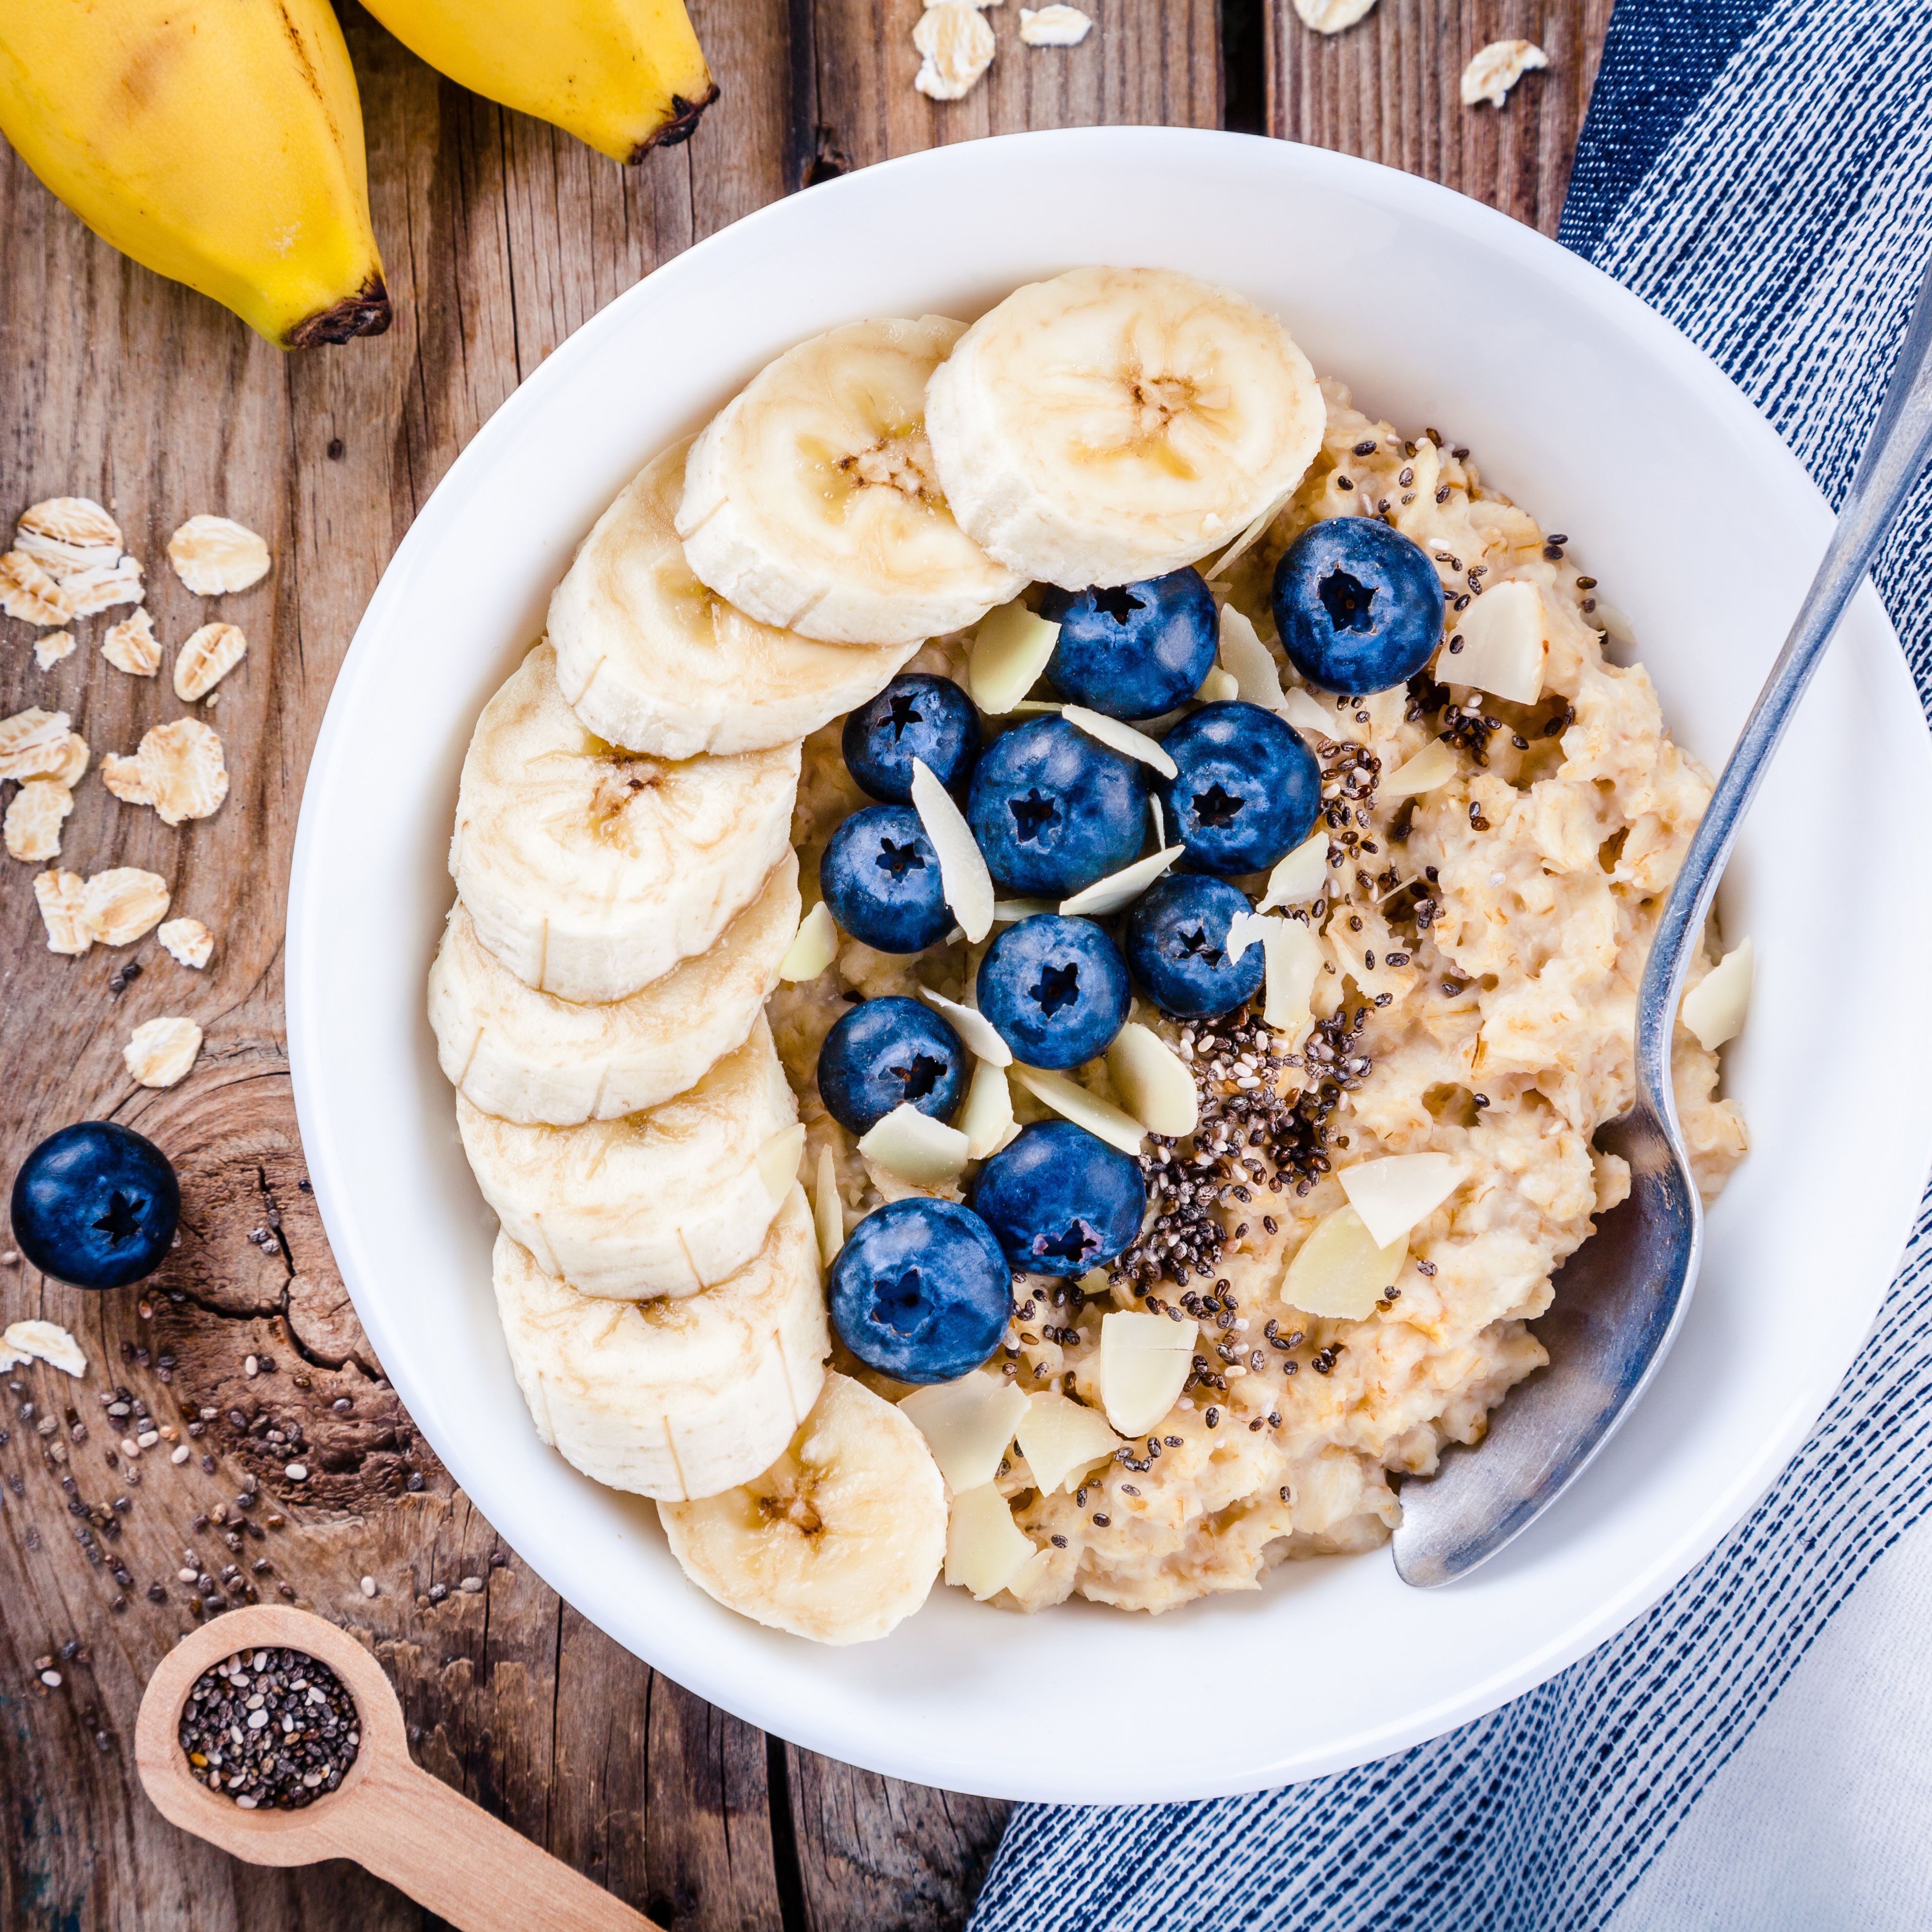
(673, 1399)
(838, 1541)
(810, 500)
(665, 1202)
(648, 658)
(527, 1056)
(1113, 424)
(590, 871)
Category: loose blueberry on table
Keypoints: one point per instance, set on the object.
(921, 1290)
(1358, 605)
(1134, 651)
(1055, 989)
(880, 877)
(1061, 1201)
(1176, 947)
(1052, 811)
(888, 1053)
(96, 1205)
(917, 716)
(1246, 790)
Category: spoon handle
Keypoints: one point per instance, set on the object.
(453, 1857)
(1901, 441)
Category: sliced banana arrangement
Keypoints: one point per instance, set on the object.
(1036, 1026)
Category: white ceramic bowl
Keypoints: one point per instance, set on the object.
(1701, 527)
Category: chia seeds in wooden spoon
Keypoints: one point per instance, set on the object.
(270, 1727)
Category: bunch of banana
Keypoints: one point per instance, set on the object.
(219, 141)
(218, 144)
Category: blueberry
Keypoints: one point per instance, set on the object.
(1061, 1201)
(885, 1053)
(1176, 947)
(1052, 811)
(1247, 789)
(1359, 606)
(921, 1290)
(880, 877)
(915, 716)
(95, 1204)
(1136, 651)
(1055, 990)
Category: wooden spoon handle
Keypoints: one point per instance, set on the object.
(452, 1857)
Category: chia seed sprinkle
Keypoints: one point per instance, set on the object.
(270, 1727)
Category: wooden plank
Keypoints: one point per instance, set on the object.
(1387, 90)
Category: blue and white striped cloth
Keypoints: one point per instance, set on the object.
(1760, 171)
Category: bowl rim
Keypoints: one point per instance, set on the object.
(1318, 170)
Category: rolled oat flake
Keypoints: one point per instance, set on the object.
(273, 1728)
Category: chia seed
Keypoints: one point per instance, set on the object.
(270, 1727)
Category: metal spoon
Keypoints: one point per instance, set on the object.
(1621, 1297)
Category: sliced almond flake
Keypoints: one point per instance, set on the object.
(963, 875)
(986, 1550)
(1714, 1008)
(1218, 686)
(34, 820)
(1257, 677)
(956, 47)
(987, 1118)
(31, 593)
(967, 1423)
(131, 645)
(1339, 1273)
(47, 1342)
(1293, 961)
(914, 1146)
(973, 1026)
(1149, 1076)
(1435, 764)
(100, 588)
(77, 523)
(62, 898)
(778, 1159)
(1054, 26)
(51, 646)
(814, 946)
(1392, 1194)
(188, 941)
(205, 659)
(1301, 876)
(1494, 69)
(828, 1209)
(1010, 912)
(1505, 644)
(1244, 929)
(1305, 713)
(1010, 650)
(159, 1052)
(1121, 737)
(214, 555)
(1072, 1101)
(33, 743)
(1119, 889)
(178, 769)
(124, 904)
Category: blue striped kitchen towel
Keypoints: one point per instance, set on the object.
(1760, 171)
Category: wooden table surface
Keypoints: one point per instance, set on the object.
(500, 236)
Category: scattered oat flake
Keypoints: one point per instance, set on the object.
(123, 904)
(205, 659)
(63, 903)
(1497, 68)
(1330, 17)
(75, 757)
(178, 769)
(47, 1342)
(160, 1051)
(1055, 26)
(90, 592)
(75, 522)
(189, 940)
(50, 649)
(33, 743)
(34, 820)
(131, 645)
(30, 592)
(956, 46)
(212, 555)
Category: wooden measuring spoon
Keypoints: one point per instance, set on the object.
(404, 1825)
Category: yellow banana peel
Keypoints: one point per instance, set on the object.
(217, 142)
(625, 76)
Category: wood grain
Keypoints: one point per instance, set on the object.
(500, 236)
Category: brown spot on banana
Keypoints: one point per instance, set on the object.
(366, 312)
(679, 128)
